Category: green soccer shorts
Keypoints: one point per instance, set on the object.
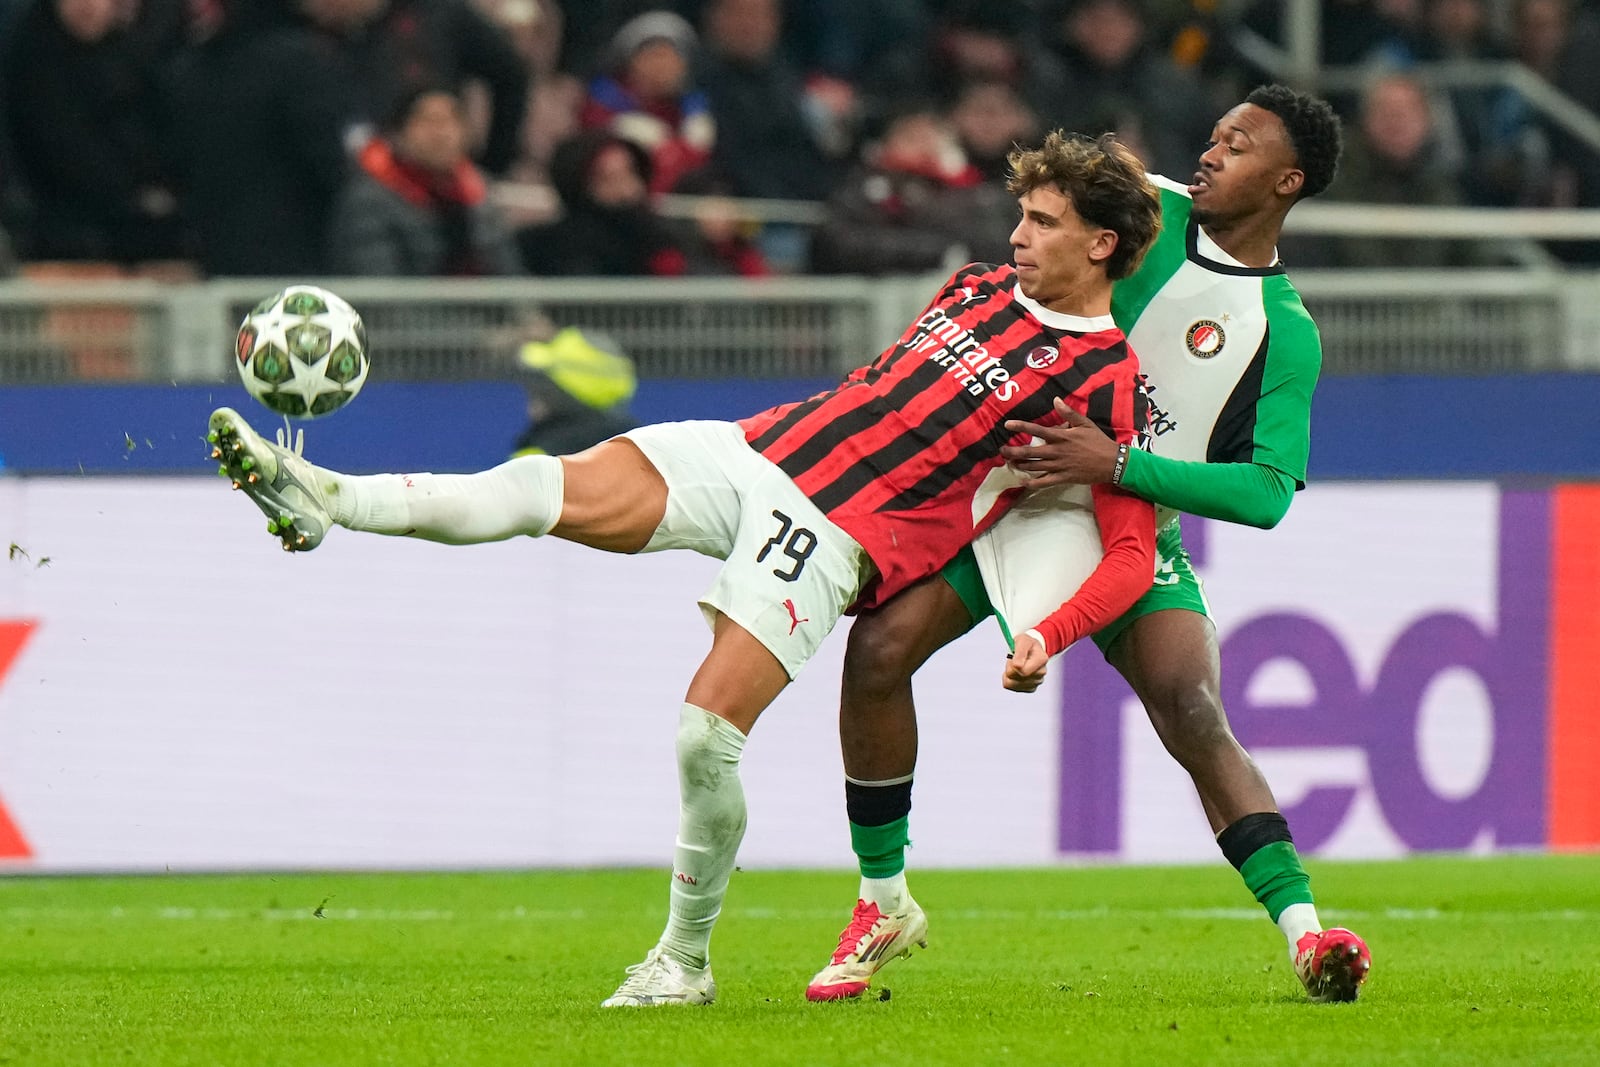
(1176, 586)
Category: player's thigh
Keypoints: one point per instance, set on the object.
(612, 497)
(790, 572)
(890, 642)
(1165, 645)
(705, 467)
(1175, 587)
(739, 678)
(1170, 659)
(962, 575)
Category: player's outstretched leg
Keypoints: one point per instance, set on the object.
(609, 497)
(282, 484)
(1170, 659)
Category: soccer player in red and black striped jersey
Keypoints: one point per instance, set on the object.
(849, 496)
(902, 454)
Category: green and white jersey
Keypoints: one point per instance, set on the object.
(1228, 352)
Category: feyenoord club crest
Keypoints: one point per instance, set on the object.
(1205, 339)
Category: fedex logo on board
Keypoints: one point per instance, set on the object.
(1471, 723)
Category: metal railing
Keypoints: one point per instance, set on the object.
(1453, 322)
(1394, 322)
(420, 329)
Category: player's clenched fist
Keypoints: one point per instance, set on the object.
(1026, 666)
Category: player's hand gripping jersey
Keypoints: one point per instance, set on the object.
(904, 454)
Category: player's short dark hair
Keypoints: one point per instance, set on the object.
(1314, 133)
(1106, 183)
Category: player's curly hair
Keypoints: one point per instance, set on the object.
(1106, 183)
(1314, 133)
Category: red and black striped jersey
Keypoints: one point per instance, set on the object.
(904, 454)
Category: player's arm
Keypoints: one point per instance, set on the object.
(1128, 539)
(1253, 494)
(1077, 452)
(1258, 452)
(1127, 528)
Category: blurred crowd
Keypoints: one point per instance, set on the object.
(618, 137)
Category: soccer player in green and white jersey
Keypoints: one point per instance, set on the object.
(1231, 358)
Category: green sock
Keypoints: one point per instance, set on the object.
(881, 849)
(1273, 873)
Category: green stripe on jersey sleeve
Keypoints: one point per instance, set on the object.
(1267, 418)
(1247, 493)
(1131, 295)
(1282, 436)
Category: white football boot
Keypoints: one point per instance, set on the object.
(659, 980)
(866, 946)
(280, 481)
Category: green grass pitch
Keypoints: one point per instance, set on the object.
(1476, 961)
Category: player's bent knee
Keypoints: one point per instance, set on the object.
(881, 655)
(1190, 722)
(704, 735)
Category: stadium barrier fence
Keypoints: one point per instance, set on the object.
(1387, 322)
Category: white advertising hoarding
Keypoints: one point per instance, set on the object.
(181, 694)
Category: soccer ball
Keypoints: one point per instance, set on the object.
(302, 352)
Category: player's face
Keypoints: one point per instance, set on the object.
(1056, 251)
(1248, 164)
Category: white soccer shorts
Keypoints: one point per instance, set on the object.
(788, 571)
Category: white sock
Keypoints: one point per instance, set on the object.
(522, 496)
(889, 894)
(1296, 921)
(711, 821)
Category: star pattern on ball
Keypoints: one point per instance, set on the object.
(272, 329)
(341, 327)
(298, 333)
(308, 382)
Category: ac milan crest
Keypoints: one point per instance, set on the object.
(1043, 357)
